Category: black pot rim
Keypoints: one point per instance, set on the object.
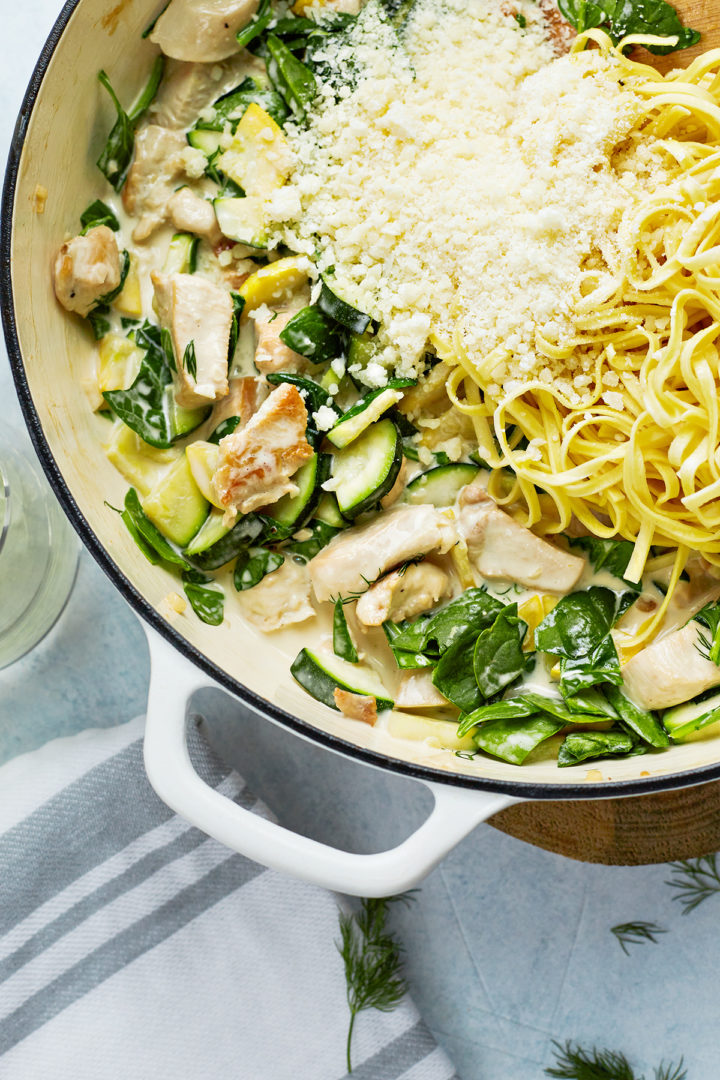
(517, 788)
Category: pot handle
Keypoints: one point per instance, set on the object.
(456, 811)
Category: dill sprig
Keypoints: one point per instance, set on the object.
(573, 1062)
(697, 880)
(372, 959)
(636, 933)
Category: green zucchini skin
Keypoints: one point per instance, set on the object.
(314, 676)
(683, 720)
(295, 510)
(440, 485)
(367, 468)
(342, 312)
(227, 547)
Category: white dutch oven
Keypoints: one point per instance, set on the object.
(60, 131)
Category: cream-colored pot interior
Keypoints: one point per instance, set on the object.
(68, 125)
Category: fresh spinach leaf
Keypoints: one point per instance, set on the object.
(253, 564)
(599, 666)
(257, 25)
(579, 622)
(644, 724)
(138, 523)
(622, 17)
(709, 617)
(314, 335)
(322, 534)
(454, 675)
(610, 555)
(99, 322)
(231, 106)
(226, 427)
(554, 707)
(472, 611)
(144, 405)
(406, 657)
(238, 303)
(343, 644)
(114, 162)
(513, 739)
(590, 702)
(499, 659)
(98, 213)
(206, 599)
(509, 709)
(293, 79)
(583, 745)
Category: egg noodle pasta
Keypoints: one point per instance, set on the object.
(636, 452)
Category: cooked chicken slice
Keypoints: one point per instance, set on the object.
(245, 395)
(257, 462)
(402, 594)
(86, 269)
(189, 213)
(270, 352)
(202, 30)
(187, 89)
(281, 598)
(357, 556)
(195, 310)
(499, 548)
(356, 706)
(417, 691)
(670, 670)
(156, 169)
(560, 33)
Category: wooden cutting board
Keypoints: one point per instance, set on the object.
(655, 828)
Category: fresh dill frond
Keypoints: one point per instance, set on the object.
(696, 880)
(636, 933)
(573, 1062)
(373, 961)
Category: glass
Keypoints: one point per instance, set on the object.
(38, 554)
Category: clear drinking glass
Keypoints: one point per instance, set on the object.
(38, 554)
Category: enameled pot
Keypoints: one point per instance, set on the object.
(60, 131)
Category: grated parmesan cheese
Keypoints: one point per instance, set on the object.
(460, 182)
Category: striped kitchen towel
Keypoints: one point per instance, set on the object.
(132, 947)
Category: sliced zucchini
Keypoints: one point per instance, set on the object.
(683, 720)
(183, 421)
(142, 465)
(295, 510)
(367, 468)
(176, 505)
(259, 158)
(203, 460)
(342, 312)
(205, 139)
(440, 486)
(216, 544)
(242, 220)
(327, 510)
(321, 674)
(362, 348)
(181, 257)
(364, 413)
(404, 725)
(119, 361)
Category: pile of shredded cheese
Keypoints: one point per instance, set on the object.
(464, 181)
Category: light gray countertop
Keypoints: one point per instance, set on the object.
(508, 947)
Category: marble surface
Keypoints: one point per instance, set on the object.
(508, 947)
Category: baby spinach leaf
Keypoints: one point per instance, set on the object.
(405, 657)
(293, 79)
(232, 105)
(709, 617)
(499, 659)
(513, 739)
(343, 645)
(622, 17)
(583, 745)
(579, 622)
(552, 706)
(253, 564)
(454, 675)
(644, 724)
(590, 702)
(226, 427)
(508, 709)
(610, 555)
(144, 405)
(99, 322)
(472, 611)
(138, 523)
(599, 666)
(322, 534)
(238, 303)
(98, 213)
(257, 25)
(206, 599)
(314, 335)
(114, 162)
